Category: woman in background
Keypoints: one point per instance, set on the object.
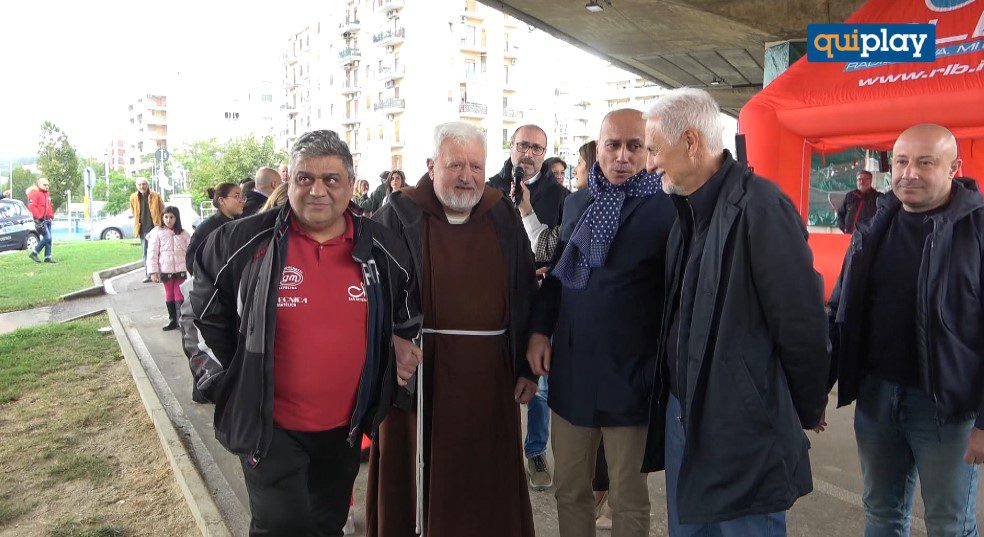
(227, 198)
(394, 181)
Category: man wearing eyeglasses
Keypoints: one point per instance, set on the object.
(527, 149)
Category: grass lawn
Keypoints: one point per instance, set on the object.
(79, 454)
(25, 284)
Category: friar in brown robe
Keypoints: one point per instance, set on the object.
(477, 277)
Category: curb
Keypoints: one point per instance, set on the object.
(200, 502)
(100, 276)
(95, 290)
(84, 315)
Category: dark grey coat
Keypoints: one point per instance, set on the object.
(757, 359)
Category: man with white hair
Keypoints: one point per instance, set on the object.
(743, 359)
(469, 245)
(147, 209)
(267, 180)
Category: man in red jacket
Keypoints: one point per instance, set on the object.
(39, 202)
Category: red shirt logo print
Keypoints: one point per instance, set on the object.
(292, 278)
(356, 293)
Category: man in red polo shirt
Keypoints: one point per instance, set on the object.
(304, 316)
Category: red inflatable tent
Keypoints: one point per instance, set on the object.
(829, 107)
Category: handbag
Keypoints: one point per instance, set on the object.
(39, 226)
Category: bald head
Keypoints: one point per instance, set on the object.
(267, 179)
(621, 145)
(924, 162)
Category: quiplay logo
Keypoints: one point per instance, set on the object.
(890, 43)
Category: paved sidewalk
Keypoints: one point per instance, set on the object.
(833, 509)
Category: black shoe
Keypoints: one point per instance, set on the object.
(50, 260)
(34, 256)
(172, 313)
(146, 280)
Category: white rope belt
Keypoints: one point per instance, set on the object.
(464, 332)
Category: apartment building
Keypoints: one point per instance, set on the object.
(382, 73)
(147, 131)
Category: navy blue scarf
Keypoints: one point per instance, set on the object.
(594, 233)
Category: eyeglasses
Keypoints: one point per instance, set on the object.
(235, 197)
(523, 147)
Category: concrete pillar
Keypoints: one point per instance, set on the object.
(779, 55)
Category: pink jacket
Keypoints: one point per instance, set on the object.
(166, 251)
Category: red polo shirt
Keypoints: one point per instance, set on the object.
(320, 342)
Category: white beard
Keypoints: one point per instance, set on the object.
(460, 203)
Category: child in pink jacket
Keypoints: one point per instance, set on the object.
(166, 248)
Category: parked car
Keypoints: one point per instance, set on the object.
(16, 226)
(121, 225)
(113, 227)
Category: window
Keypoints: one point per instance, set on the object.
(267, 98)
(470, 66)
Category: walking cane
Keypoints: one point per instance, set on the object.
(420, 442)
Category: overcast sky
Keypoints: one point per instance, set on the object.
(80, 63)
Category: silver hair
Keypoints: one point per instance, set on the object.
(689, 108)
(459, 131)
(138, 180)
(323, 143)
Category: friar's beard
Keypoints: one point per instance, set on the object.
(459, 202)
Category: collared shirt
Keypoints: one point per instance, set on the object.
(320, 340)
(694, 214)
(532, 180)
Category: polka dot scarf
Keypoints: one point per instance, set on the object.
(594, 233)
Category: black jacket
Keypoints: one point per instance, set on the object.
(605, 336)
(254, 202)
(403, 216)
(201, 233)
(857, 208)
(756, 360)
(546, 195)
(949, 293)
(233, 307)
(371, 203)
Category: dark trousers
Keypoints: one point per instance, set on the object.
(303, 485)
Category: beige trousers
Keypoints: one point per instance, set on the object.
(575, 450)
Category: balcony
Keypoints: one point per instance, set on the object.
(473, 110)
(291, 57)
(511, 51)
(390, 73)
(475, 76)
(349, 55)
(389, 37)
(349, 26)
(351, 119)
(390, 5)
(469, 44)
(390, 105)
(510, 114)
(351, 86)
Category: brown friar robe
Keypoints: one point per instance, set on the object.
(474, 477)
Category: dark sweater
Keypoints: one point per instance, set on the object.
(890, 310)
(694, 215)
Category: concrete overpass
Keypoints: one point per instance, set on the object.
(716, 45)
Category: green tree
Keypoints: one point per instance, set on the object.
(23, 178)
(209, 162)
(117, 195)
(59, 163)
